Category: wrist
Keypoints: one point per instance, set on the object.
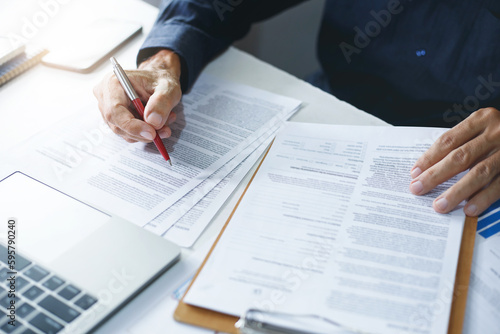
(163, 60)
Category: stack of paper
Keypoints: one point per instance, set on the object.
(221, 130)
(328, 227)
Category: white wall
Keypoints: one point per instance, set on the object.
(287, 40)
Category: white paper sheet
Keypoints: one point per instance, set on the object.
(184, 228)
(483, 300)
(190, 226)
(329, 227)
(215, 122)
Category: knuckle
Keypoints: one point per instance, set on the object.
(426, 159)
(129, 126)
(108, 116)
(126, 125)
(446, 142)
(110, 77)
(431, 173)
(460, 157)
(174, 86)
(112, 83)
(492, 125)
(469, 125)
(173, 91)
(479, 113)
(488, 113)
(483, 171)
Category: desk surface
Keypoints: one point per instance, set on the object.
(28, 107)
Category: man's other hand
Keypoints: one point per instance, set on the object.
(157, 84)
(473, 144)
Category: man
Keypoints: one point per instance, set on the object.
(429, 62)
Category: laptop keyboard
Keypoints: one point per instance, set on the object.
(44, 303)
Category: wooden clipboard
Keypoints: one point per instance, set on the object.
(225, 323)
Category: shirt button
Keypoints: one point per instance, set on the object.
(420, 53)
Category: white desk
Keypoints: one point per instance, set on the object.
(42, 96)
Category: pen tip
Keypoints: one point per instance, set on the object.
(170, 162)
(113, 60)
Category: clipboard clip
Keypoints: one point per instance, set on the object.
(262, 322)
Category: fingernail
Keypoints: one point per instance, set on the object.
(471, 210)
(147, 135)
(162, 135)
(441, 204)
(155, 120)
(416, 187)
(415, 172)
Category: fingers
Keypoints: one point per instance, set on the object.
(131, 138)
(448, 142)
(122, 118)
(472, 185)
(166, 96)
(112, 104)
(452, 164)
(158, 84)
(166, 132)
(482, 200)
(474, 144)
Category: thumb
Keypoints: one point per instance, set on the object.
(161, 103)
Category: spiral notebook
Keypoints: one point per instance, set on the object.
(8, 49)
(20, 63)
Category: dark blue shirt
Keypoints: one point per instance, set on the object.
(420, 62)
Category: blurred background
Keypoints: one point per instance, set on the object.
(288, 41)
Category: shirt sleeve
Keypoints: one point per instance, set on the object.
(198, 30)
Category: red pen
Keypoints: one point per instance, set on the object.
(127, 86)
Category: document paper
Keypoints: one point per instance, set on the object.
(483, 300)
(215, 122)
(329, 227)
(188, 226)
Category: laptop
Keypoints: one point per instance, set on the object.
(66, 266)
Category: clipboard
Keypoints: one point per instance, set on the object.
(225, 323)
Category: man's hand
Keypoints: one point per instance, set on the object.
(474, 144)
(157, 84)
